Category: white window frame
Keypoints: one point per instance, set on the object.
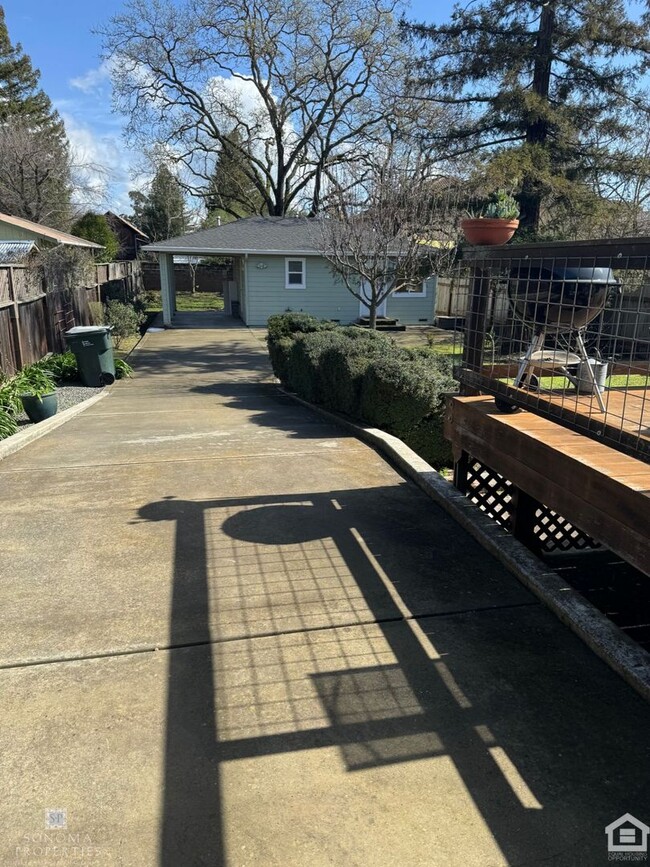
(288, 285)
(421, 294)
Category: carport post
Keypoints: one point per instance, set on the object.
(167, 286)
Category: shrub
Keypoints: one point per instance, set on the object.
(344, 364)
(122, 369)
(10, 395)
(62, 366)
(124, 319)
(365, 375)
(399, 391)
(304, 363)
(279, 353)
(286, 324)
(8, 424)
(428, 441)
(282, 329)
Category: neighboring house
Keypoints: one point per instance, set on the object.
(17, 229)
(277, 266)
(130, 237)
(16, 252)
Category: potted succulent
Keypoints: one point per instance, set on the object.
(37, 390)
(496, 223)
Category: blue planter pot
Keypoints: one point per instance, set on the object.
(38, 409)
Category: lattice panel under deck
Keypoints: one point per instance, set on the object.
(494, 495)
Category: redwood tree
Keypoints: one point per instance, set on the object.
(547, 91)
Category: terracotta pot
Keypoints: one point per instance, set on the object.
(488, 231)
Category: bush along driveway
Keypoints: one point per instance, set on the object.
(366, 376)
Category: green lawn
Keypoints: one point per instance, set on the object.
(621, 380)
(186, 301)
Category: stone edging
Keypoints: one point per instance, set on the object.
(23, 438)
(622, 654)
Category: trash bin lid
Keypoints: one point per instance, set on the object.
(88, 329)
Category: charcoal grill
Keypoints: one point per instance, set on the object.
(554, 299)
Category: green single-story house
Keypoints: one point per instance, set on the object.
(277, 266)
(19, 229)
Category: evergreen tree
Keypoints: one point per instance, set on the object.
(160, 213)
(94, 227)
(35, 180)
(232, 191)
(545, 92)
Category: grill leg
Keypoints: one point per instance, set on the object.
(582, 352)
(536, 344)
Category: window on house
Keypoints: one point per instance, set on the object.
(417, 289)
(295, 273)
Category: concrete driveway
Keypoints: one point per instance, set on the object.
(234, 635)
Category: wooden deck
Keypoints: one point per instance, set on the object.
(595, 487)
(626, 410)
(625, 424)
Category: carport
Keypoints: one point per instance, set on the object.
(196, 244)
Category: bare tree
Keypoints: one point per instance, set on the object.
(35, 177)
(38, 177)
(290, 87)
(396, 227)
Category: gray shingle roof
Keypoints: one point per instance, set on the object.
(282, 235)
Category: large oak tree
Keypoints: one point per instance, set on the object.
(296, 88)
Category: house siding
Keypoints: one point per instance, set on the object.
(409, 310)
(322, 297)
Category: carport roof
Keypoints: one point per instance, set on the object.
(275, 235)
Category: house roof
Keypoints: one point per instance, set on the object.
(15, 252)
(45, 233)
(279, 235)
(129, 225)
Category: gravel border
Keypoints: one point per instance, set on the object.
(607, 641)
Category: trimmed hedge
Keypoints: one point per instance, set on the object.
(365, 375)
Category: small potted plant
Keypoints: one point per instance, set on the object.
(496, 224)
(35, 386)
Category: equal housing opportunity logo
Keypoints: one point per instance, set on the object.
(627, 839)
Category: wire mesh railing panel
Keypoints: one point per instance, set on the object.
(563, 330)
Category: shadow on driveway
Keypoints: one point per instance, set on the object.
(550, 745)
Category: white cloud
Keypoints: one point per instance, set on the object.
(104, 166)
(94, 79)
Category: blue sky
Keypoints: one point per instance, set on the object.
(58, 37)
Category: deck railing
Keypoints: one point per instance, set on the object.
(562, 329)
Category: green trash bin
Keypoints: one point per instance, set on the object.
(93, 350)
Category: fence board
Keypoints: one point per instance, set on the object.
(34, 322)
(8, 352)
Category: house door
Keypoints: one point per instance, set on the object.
(363, 308)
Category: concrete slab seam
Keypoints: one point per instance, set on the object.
(23, 438)
(602, 636)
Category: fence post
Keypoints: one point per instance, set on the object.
(475, 329)
(19, 360)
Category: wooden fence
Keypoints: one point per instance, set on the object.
(34, 317)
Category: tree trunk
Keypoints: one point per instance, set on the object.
(537, 132)
(372, 315)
